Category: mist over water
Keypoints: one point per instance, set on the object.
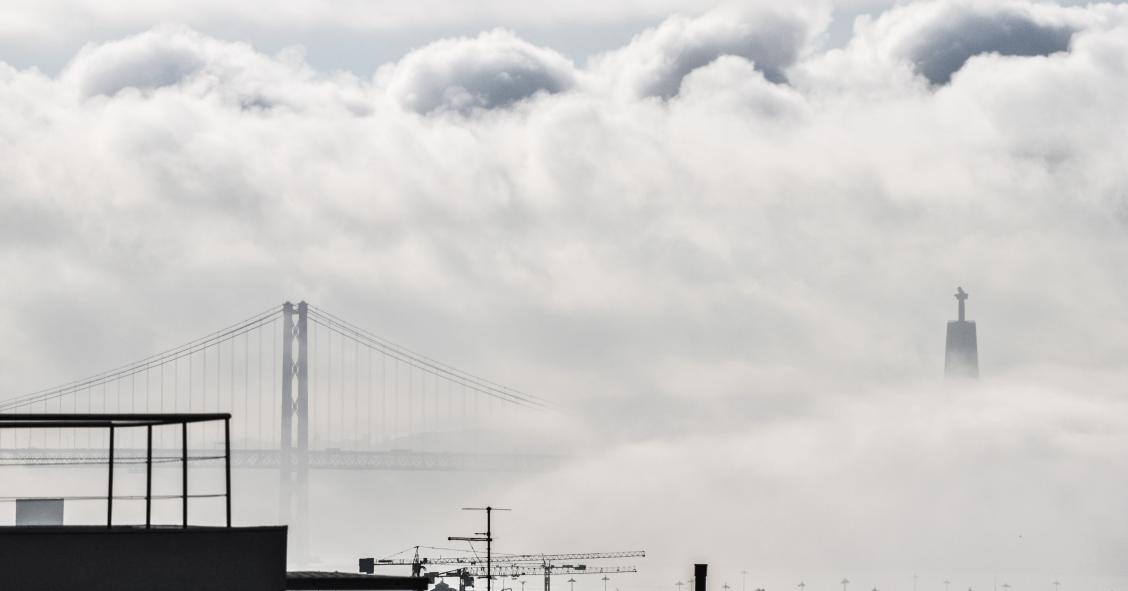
(726, 251)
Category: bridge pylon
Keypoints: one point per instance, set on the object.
(293, 468)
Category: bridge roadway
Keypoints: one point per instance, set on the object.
(319, 459)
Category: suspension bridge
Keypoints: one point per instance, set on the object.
(307, 390)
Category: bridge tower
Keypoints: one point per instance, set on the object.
(293, 468)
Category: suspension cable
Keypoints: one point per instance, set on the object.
(160, 359)
(429, 366)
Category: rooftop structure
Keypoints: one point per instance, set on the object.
(142, 557)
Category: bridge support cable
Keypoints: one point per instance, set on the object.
(285, 474)
(382, 343)
(425, 364)
(38, 400)
(421, 364)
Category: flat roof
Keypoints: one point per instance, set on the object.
(337, 580)
(69, 530)
(104, 420)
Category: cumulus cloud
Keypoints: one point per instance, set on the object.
(657, 60)
(175, 56)
(494, 69)
(753, 273)
(945, 46)
(935, 39)
(732, 83)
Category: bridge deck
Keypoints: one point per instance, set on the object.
(321, 459)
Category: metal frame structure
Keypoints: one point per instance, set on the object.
(114, 421)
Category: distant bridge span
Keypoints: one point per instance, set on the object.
(306, 391)
(319, 459)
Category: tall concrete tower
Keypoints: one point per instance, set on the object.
(961, 354)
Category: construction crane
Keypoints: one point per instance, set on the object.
(547, 569)
(538, 558)
(513, 565)
(418, 563)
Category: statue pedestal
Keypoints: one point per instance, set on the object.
(961, 354)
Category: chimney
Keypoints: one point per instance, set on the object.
(700, 571)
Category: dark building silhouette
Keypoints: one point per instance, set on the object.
(961, 354)
(124, 558)
(41, 553)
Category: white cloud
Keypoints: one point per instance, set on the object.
(494, 69)
(165, 57)
(732, 84)
(197, 65)
(935, 39)
(657, 60)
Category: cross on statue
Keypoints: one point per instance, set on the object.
(961, 295)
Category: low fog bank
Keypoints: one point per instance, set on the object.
(1001, 476)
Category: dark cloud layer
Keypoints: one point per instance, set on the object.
(946, 44)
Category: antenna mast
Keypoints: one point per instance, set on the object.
(488, 539)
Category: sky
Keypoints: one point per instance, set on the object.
(723, 239)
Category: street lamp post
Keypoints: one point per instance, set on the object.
(571, 584)
(845, 582)
(605, 579)
(743, 580)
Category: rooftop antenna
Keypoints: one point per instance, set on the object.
(488, 539)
